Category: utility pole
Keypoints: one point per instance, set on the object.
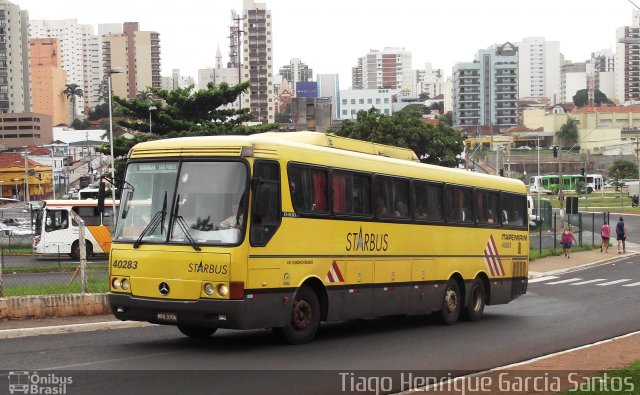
(560, 181)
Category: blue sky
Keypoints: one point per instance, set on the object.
(330, 35)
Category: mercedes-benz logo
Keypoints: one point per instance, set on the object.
(164, 288)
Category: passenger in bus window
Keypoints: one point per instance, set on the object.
(235, 220)
(381, 208)
(402, 211)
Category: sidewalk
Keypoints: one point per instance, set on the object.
(583, 258)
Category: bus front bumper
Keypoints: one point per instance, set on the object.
(265, 311)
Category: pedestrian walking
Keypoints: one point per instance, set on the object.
(567, 238)
(605, 233)
(621, 235)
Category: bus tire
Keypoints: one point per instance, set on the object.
(477, 297)
(304, 319)
(451, 303)
(196, 332)
(75, 249)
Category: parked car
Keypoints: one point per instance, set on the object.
(15, 230)
(16, 221)
(524, 148)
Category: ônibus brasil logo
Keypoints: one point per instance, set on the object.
(24, 382)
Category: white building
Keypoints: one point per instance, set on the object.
(602, 67)
(539, 64)
(80, 56)
(627, 68)
(574, 78)
(354, 100)
(386, 69)
(15, 80)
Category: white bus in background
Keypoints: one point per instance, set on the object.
(55, 232)
(550, 183)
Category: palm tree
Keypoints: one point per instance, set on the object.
(72, 91)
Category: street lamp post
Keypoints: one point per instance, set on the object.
(152, 108)
(115, 70)
(26, 178)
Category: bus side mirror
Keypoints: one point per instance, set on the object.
(262, 199)
(101, 193)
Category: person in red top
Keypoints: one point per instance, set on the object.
(605, 233)
(567, 238)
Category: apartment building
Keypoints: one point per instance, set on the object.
(48, 80)
(627, 62)
(257, 63)
(386, 69)
(539, 68)
(137, 53)
(486, 91)
(15, 92)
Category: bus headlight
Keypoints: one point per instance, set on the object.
(208, 289)
(223, 290)
(125, 284)
(116, 283)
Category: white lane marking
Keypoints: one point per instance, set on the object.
(569, 280)
(595, 280)
(540, 279)
(631, 285)
(624, 280)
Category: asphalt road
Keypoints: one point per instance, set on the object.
(557, 313)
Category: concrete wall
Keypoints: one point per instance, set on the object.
(22, 307)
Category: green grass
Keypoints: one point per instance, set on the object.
(16, 250)
(620, 381)
(609, 200)
(54, 267)
(94, 285)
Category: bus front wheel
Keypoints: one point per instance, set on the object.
(304, 319)
(451, 303)
(75, 249)
(196, 332)
(475, 309)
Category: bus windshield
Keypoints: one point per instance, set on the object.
(192, 201)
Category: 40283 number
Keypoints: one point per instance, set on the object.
(124, 264)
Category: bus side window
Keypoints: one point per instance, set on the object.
(264, 226)
(56, 220)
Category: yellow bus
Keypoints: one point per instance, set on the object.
(287, 230)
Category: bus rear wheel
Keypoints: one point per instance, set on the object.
(304, 319)
(75, 250)
(196, 332)
(477, 298)
(451, 303)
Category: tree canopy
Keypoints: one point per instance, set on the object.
(181, 112)
(439, 145)
(621, 169)
(581, 98)
(569, 132)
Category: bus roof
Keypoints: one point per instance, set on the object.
(75, 202)
(321, 149)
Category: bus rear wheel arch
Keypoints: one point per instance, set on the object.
(304, 317)
(75, 249)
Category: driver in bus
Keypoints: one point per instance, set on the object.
(235, 220)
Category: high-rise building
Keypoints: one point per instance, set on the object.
(296, 71)
(602, 66)
(15, 94)
(386, 69)
(539, 68)
(627, 67)
(79, 56)
(138, 54)
(48, 80)
(486, 91)
(329, 86)
(257, 64)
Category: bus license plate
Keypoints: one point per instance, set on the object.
(167, 317)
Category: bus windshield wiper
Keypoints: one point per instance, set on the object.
(158, 219)
(183, 226)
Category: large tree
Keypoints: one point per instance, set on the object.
(440, 145)
(569, 133)
(71, 91)
(581, 98)
(621, 169)
(181, 112)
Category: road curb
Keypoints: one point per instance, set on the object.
(42, 306)
(71, 328)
